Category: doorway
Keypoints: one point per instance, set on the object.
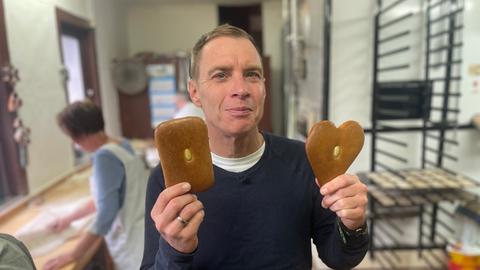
(80, 75)
(248, 18)
(77, 45)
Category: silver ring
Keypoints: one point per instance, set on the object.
(183, 221)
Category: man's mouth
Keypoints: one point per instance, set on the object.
(239, 111)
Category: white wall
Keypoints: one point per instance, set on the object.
(109, 21)
(469, 103)
(351, 61)
(168, 28)
(34, 50)
(310, 94)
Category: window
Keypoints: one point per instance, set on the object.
(72, 60)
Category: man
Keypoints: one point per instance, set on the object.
(118, 190)
(265, 206)
(186, 108)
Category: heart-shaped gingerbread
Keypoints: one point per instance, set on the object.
(331, 150)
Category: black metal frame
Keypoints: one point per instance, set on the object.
(326, 58)
(450, 32)
(424, 206)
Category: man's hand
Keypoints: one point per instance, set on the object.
(58, 262)
(347, 197)
(177, 215)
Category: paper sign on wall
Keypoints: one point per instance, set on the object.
(161, 91)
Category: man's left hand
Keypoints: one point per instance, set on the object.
(347, 197)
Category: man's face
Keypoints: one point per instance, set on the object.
(230, 86)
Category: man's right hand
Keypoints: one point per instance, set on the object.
(177, 215)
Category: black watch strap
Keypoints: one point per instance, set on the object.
(347, 233)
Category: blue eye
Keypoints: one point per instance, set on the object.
(253, 76)
(220, 76)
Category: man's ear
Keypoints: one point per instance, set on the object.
(193, 91)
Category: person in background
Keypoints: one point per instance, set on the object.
(265, 206)
(185, 107)
(118, 189)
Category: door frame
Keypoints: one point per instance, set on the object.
(70, 24)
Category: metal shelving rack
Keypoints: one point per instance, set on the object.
(427, 192)
(444, 73)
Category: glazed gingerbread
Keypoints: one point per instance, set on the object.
(331, 150)
(184, 152)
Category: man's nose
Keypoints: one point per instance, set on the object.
(239, 87)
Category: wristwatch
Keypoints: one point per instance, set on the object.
(347, 233)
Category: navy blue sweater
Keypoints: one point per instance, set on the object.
(262, 218)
